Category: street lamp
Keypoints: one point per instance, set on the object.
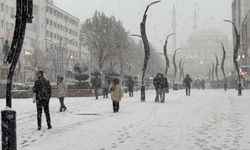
(146, 49)
(24, 11)
(175, 87)
(166, 53)
(235, 55)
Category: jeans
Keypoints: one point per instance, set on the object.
(62, 107)
(131, 92)
(116, 106)
(163, 92)
(188, 91)
(43, 104)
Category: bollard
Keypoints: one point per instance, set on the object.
(8, 130)
(143, 96)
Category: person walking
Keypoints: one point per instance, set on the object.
(42, 91)
(165, 88)
(61, 93)
(116, 94)
(6, 49)
(106, 88)
(187, 84)
(156, 82)
(96, 84)
(131, 86)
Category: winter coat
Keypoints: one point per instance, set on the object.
(96, 83)
(130, 84)
(156, 82)
(6, 48)
(61, 89)
(42, 89)
(116, 92)
(187, 82)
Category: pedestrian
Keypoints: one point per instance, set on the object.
(6, 49)
(116, 94)
(130, 86)
(187, 84)
(162, 88)
(105, 88)
(42, 91)
(96, 84)
(61, 93)
(156, 82)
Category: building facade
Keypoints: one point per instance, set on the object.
(199, 53)
(241, 18)
(53, 33)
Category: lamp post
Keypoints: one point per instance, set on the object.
(146, 49)
(223, 65)
(216, 69)
(24, 11)
(166, 53)
(235, 55)
(175, 87)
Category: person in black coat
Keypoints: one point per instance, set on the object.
(6, 49)
(130, 86)
(42, 91)
(156, 82)
(187, 84)
(96, 85)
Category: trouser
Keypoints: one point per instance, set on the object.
(116, 106)
(157, 95)
(105, 93)
(43, 104)
(163, 95)
(5, 58)
(131, 92)
(188, 91)
(62, 107)
(96, 93)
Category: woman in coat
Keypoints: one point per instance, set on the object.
(61, 93)
(116, 94)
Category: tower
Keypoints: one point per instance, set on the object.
(174, 26)
(195, 21)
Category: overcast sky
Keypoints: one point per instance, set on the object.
(130, 12)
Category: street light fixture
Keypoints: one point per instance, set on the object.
(235, 55)
(166, 53)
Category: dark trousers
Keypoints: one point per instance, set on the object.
(96, 93)
(116, 106)
(62, 107)
(43, 104)
(105, 93)
(188, 90)
(131, 92)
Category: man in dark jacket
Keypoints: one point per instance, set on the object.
(187, 84)
(130, 86)
(6, 49)
(156, 82)
(96, 85)
(42, 90)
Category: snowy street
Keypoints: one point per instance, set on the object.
(208, 120)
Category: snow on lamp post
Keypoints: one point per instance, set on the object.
(235, 55)
(146, 49)
(24, 11)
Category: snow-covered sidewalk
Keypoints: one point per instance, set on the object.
(208, 120)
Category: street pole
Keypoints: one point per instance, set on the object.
(175, 86)
(24, 12)
(146, 50)
(235, 56)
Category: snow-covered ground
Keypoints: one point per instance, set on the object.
(208, 120)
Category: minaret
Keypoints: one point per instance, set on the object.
(174, 25)
(195, 21)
